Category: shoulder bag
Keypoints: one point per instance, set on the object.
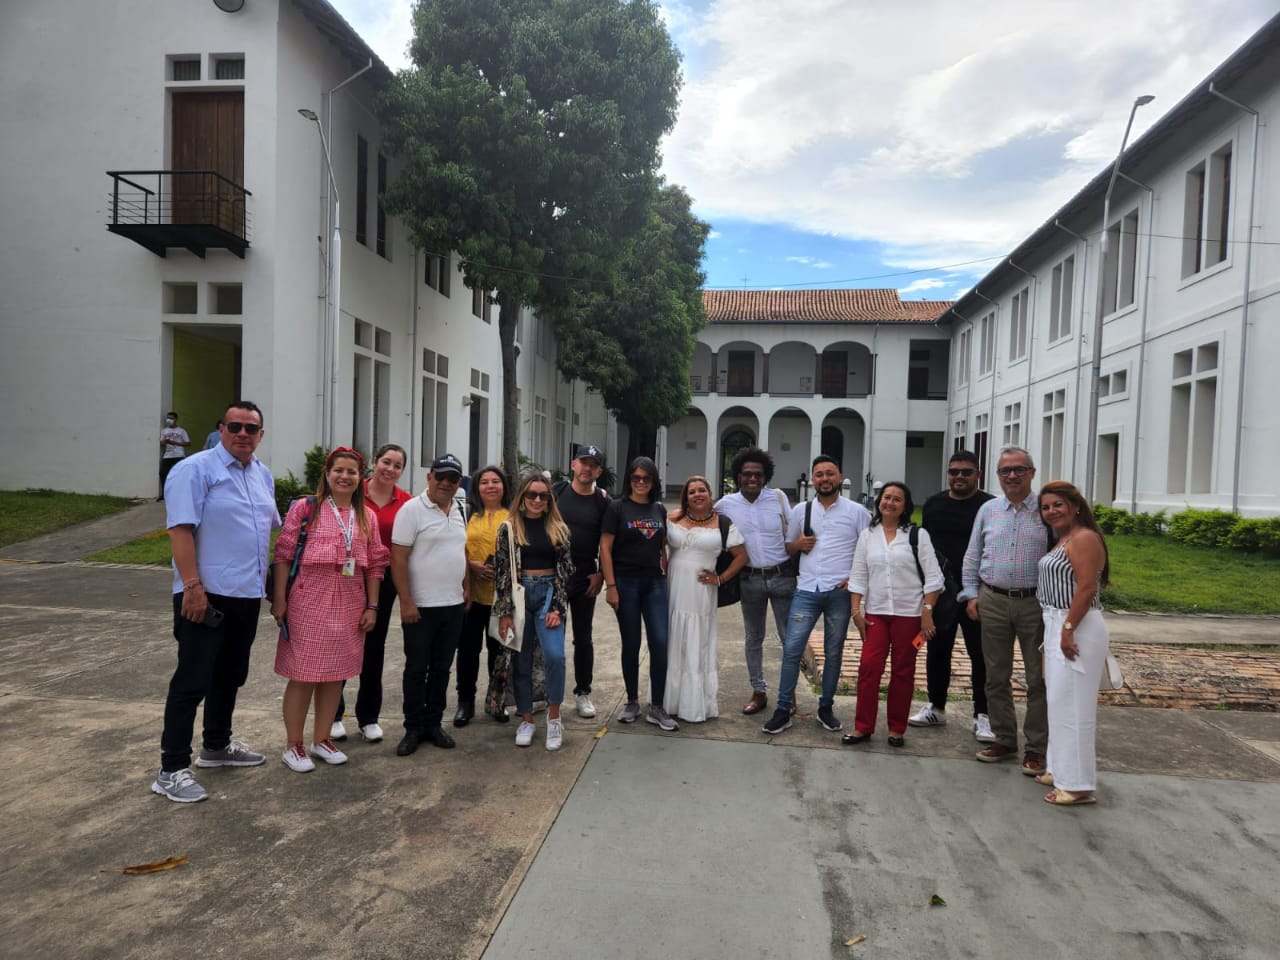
(517, 598)
(947, 607)
(730, 591)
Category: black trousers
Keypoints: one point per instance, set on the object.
(167, 464)
(213, 664)
(369, 699)
(582, 610)
(475, 637)
(938, 662)
(429, 646)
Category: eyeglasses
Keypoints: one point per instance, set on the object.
(1018, 471)
(752, 474)
(447, 477)
(961, 471)
(235, 427)
(641, 478)
(537, 495)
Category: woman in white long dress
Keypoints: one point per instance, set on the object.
(693, 536)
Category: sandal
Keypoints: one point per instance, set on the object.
(897, 741)
(1061, 798)
(855, 737)
(1044, 779)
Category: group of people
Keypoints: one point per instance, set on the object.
(535, 559)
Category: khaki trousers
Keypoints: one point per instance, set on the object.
(1005, 619)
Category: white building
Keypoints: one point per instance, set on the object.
(1189, 304)
(856, 374)
(128, 295)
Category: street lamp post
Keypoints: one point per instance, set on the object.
(334, 285)
(1091, 437)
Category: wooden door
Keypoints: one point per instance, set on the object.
(742, 373)
(208, 134)
(835, 374)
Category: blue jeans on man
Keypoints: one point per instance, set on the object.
(806, 606)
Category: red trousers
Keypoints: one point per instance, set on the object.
(886, 637)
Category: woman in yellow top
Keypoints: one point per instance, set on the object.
(489, 499)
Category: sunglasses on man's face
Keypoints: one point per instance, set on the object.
(235, 427)
(961, 472)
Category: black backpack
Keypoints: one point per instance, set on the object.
(947, 607)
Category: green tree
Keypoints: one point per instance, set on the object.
(633, 338)
(529, 131)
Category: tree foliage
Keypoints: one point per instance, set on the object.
(529, 131)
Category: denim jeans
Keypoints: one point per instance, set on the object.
(643, 598)
(538, 593)
(758, 591)
(806, 606)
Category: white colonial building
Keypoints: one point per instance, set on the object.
(1189, 295)
(196, 270)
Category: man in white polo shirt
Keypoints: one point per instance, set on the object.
(825, 531)
(429, 569)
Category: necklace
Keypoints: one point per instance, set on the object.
(701, 519)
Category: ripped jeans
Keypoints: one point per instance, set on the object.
(835, 608)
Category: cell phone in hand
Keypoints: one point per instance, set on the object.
(918, 642)
(212, 617)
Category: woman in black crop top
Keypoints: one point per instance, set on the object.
(541, 540)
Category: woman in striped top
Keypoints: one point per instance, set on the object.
(1071, 575)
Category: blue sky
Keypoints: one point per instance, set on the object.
(858, 143)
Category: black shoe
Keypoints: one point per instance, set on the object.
(855, 737)
(780, 721)
(897, 741)
(466, 710)
(827, 717)
(409, 743)
(502, 716)
(441, 739)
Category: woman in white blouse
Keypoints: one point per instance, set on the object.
(898, 613)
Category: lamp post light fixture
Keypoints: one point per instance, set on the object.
(334, 286)
(1091, 437)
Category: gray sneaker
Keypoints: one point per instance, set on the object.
(660, 718)
(630, 713)
(234, 754)
(179, 786)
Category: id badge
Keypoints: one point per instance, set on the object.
(349, 567)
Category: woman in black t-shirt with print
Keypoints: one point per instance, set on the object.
(633, 557)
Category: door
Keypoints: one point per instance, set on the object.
(742, 373)
(835, 374)
(208, 134)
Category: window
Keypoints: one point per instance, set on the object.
(539, 428)
(479, 380)
(381, 213)
(434, 436)
(227, 297)
(436, 273)
(1192, 419)
(184, 68)
(981, 424)
(362, 190)
(1053, 433)
(228, 68)
(1061, 292)
(371, 386)
(1012, 433)
(1206, 213)
(1113, 385)
(1018, 324)
(957, 436)
(480, 305)
(987, 343)
(1120, 266)
(963, 358)
(179, 297)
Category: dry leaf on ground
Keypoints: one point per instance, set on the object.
(168, 863)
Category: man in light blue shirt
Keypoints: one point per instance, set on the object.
(221, 511)
(826, 530)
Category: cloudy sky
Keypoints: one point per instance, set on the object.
(860, 143)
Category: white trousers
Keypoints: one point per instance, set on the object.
(1071, 688)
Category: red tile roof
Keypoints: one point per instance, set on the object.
(818, 306)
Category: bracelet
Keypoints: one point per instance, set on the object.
(719, 582)
(193, 582)
(611, 586)
(371, 606)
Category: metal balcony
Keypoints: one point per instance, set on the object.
(194, 210)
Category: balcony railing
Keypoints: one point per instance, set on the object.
(194, 210)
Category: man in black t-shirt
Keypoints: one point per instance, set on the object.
(582, 505)
(948, 516)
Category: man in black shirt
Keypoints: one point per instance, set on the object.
(582, 505)
(948, 516)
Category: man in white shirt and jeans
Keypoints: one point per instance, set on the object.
(760, 513)
(824, 534)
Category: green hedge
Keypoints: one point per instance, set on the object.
(1201, 528)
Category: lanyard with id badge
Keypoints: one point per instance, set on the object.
(348, 534)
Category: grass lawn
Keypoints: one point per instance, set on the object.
(150, 549)
(1159, 574)
(29, 513)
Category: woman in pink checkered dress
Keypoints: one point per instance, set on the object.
(331, 605)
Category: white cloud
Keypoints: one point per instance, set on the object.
(713, 234)
(386, 25)
(921, 285)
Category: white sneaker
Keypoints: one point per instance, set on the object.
(586, 708)
(337, 731)
(982, 729)
(327, 751)
(371, 732)
(555, 734)
(296, 759)
(524, 733)
(928, 717)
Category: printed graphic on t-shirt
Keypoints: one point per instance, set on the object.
(645, 527)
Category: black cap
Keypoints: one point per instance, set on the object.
(589, 451)
(446, 463)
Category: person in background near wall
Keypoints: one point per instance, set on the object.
(332, 604)
(215, 436)
(489, 499)
(429, 566)
(173, 447)
(221, 508)
(999, 584)
(1071, 576)
(948, 516)
(760, 514)
(825, 532)
(583, 505)
(633, 555)
(385, 499)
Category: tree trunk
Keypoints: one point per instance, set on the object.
(508, 317)
(641, 442)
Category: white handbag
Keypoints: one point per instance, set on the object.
(515, 637)
(1112, 675)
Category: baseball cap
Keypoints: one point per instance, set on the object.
(446, 463)
(589, 451)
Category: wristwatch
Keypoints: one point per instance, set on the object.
(929, 607)
(1068, 625)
